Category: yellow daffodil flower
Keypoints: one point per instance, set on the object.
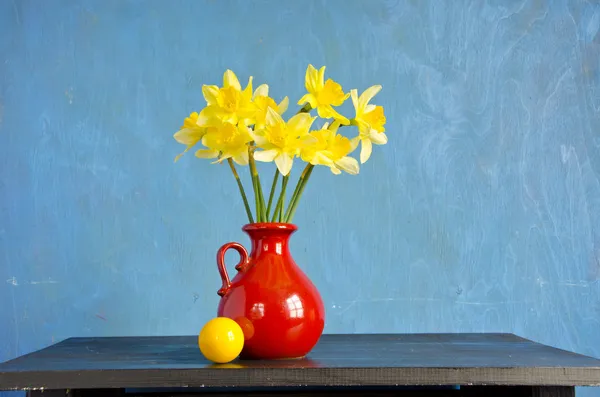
(370, 121)
(189, 134)
(262, 102)
(228, 104)
(330, 149)
(281, 141)
(226, 141)
(323, 95)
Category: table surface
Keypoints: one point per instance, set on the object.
(337, 360)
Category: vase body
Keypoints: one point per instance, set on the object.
(277, 306)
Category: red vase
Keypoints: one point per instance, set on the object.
(277, 306)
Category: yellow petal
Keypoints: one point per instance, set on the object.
(230, 79)
(334, 126)
(260, 140)
(321, 78)
(378, 138)
(246, 133)
(327, 112)
(375, 119)
(348, 164)
(206, 154)
(283, 105)
(231, 118)
(335, 170)
(261, 90)
(321, 159)
(365, 150)
(204, 117)
(248, 90)
(209, 116)
(273, 117)
(308, 98)
(265, 156)
(354, 96)
(363, 127)
(369, 108)
(284, 163)
(308, 139)
(367, 95)
(182, 153)
(300, 123)
(332, 94)
(241, 158)
(221, 158)
(310, 79)
(211, 93)
(354, 143)
(213, 140)
(190, 121)
(188, 136)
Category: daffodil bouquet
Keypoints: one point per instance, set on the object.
(245, 126)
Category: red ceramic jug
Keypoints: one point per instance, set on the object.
(275, 303)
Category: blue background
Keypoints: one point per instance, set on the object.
(481, 214)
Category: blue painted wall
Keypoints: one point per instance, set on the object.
(481, 214)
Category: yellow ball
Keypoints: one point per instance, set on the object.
(221, 340)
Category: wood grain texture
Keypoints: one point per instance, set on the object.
(481, 214)
(338, 360)
(494, 391)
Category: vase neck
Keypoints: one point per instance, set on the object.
(269, 240)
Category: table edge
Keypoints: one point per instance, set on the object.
(298, 377)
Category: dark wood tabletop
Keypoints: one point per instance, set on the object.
(337, 360)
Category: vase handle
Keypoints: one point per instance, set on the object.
(221, 264)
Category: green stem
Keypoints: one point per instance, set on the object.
(303, 180)
(263, 214)
(279, 206)
(302, 175)
(281, 211)
(254, 175)
(273, 187)
(241, 187)
(305, 109)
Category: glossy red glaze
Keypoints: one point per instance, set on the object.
(277, 306)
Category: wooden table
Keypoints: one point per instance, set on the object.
(375, 365)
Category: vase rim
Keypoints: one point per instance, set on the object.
(270, 226)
